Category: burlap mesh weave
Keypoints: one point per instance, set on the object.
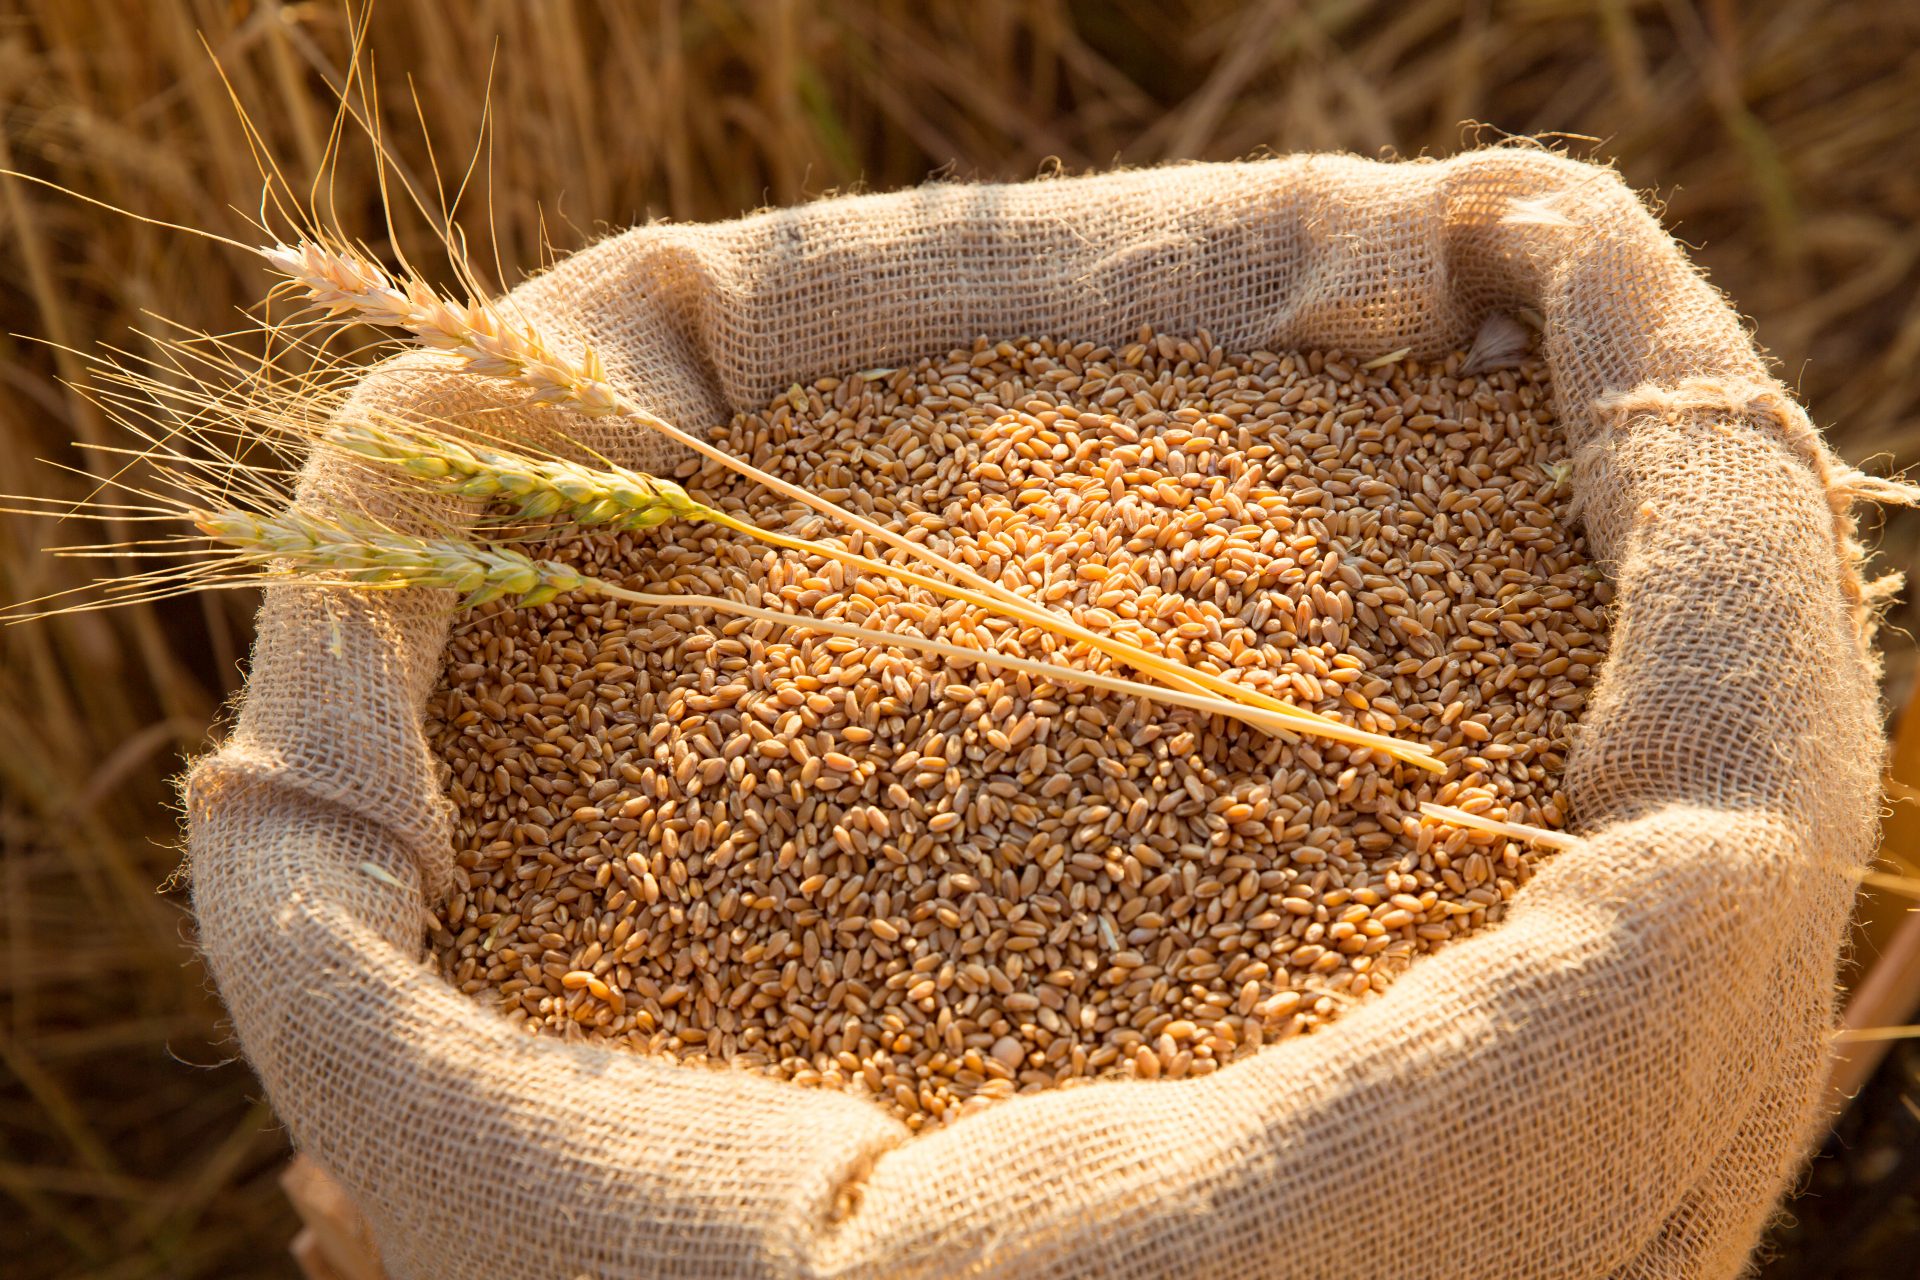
(1619, 1079)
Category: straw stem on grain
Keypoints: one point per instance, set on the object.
(1512, 830)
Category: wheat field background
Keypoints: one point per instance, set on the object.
(1782, 139)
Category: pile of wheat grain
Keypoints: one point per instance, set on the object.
(711, 839)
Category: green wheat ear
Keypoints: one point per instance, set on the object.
(345, 550)
(534, 488)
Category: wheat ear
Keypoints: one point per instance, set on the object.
(344, 283)
(345, 551)
(256, 548)
(617, 497)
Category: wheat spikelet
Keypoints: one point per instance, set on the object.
(534, 487)
(341, 282)
(350, 551)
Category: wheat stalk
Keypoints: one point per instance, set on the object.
(264, 541)
(344, 283)
(1492, 826)
(617, 497)
(253, 548)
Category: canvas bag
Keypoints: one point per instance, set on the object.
(1619, 1079)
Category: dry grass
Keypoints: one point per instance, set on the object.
(1780, 135)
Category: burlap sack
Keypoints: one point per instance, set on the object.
(1620, 1079)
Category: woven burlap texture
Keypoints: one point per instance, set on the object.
(1619, 1079)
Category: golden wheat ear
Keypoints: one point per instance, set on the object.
(202, 408)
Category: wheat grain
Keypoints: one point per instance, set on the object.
(841, 866)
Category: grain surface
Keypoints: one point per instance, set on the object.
(939, 886)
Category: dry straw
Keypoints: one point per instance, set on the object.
(1522, 831)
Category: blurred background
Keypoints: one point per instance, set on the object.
(1781, 140)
